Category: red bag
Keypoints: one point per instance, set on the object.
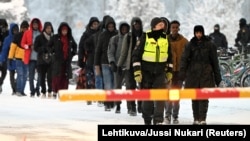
(81, 80)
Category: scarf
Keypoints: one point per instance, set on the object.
(65, 43)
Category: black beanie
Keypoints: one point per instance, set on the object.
(243, 21)
(25, 24)
(155, 21)
(3, 22)
(199, 28)
(217, 25)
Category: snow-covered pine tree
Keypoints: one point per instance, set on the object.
(13, 11)
(209, 13)
(125, 10)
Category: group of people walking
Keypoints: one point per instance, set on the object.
(35, 49)
(158, 58)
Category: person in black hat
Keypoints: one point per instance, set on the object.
(152, 64)
(199, 68)
(218, 38)
(243, 37)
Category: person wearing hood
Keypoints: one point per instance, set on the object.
(101, 59)
(199, 68)
(17, 53)
(44, 58)
(30, 55)
(94, 40)
(86, 56)
(125, 62)
(3, 33)
(218, 38)
(243, 37)
(114, 52)
(63, 48)
(167, 25)
(152, 65)
(6, 63)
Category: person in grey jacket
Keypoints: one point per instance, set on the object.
(125, 61)
(114, 52)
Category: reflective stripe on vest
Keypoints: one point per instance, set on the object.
(155, 51)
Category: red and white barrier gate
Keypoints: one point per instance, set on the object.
(152, 94)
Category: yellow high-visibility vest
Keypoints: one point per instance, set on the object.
(155, 51)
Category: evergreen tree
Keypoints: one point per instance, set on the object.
(125, 10)
(13, 11)
(209, 13)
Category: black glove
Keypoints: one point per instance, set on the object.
(113, 66)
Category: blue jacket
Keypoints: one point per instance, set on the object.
(6, 47)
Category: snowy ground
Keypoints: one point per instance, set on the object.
(36, 119)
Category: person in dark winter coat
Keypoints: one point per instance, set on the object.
(63, 47)
(86, 56)
(3, 33)
(85, 48)
(44, 58)
(114, 52)
(17, 52)
(218, 38)
(243, 37)
(199, 68)
(11, 64)
(94, 40)
(125, 61)
(152, 64)
(101, 59)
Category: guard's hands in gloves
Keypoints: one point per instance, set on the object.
(169, 76)
(138, 76)
(113, 66)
